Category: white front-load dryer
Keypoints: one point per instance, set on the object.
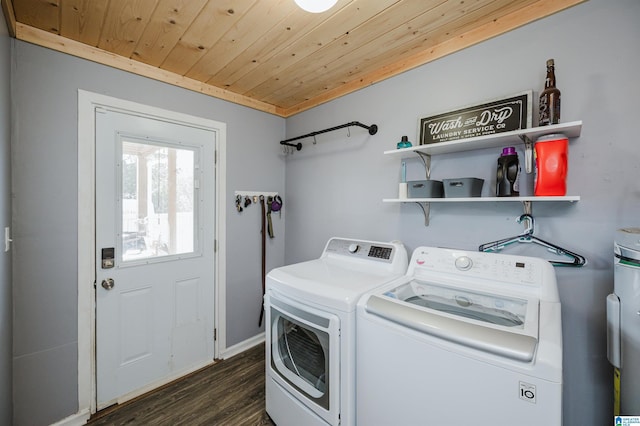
(310, 338)
(465, 338)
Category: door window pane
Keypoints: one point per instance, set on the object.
(158, 201)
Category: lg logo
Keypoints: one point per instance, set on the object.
(528, 392)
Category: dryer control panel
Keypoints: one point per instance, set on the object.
(392, 254)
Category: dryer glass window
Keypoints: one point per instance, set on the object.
(300, 354)
(303, 352)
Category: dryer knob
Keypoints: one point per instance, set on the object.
(353, 248)
(464, 263)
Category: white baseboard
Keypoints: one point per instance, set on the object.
(77, 419)
(242, 346)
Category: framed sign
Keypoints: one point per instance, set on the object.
(497, 116)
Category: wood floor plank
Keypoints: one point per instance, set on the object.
(228, 393)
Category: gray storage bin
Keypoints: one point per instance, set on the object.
(424, 189)
(463, 187)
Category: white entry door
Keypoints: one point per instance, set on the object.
(154, 252)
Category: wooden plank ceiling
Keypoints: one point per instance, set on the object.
(268, 54)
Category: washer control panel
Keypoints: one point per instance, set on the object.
(528, 271)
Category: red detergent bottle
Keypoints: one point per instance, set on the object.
(551, 165)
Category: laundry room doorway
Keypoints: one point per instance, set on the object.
(155, 265)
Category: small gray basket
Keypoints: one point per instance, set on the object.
(424, 189)
(463, 187)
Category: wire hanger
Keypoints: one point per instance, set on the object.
(528, 237)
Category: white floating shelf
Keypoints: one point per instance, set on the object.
(570, 130)
(567, 198)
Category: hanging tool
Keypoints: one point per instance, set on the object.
(238, 200)
(269, 223)
(247, 202)
(263, 231)
(276, 204)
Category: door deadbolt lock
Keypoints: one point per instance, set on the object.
(108, 283)
(108, 256)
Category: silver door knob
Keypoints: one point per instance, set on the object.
(108, 283)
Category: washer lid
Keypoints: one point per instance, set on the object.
(503, 325)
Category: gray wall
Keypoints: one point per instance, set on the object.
(45, 85)
(5, 220)
(336, 187)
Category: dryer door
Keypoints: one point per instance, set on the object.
(304, 354)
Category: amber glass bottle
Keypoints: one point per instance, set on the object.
(549, 107)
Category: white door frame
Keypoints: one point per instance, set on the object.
(87, 103)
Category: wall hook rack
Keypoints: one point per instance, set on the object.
(373, 129)
(246, 198)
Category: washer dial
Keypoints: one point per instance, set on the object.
(464, 263)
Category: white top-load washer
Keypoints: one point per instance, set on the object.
(310, 339)
(464, 338)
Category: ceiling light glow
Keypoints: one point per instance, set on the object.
(316, 6)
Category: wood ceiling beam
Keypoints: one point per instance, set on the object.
(94, 54)
(9, 16)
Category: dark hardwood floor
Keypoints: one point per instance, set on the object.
(230, 393)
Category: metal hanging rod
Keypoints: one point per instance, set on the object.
(373, 129)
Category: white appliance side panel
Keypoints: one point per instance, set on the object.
(402, 379)
(548, 360)
(627, 288)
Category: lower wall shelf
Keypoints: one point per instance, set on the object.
(425, 203)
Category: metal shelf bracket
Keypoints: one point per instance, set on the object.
(528, 153)
(426, 159)
(426, 207)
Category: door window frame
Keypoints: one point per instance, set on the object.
(88, 103)
(197, 212)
